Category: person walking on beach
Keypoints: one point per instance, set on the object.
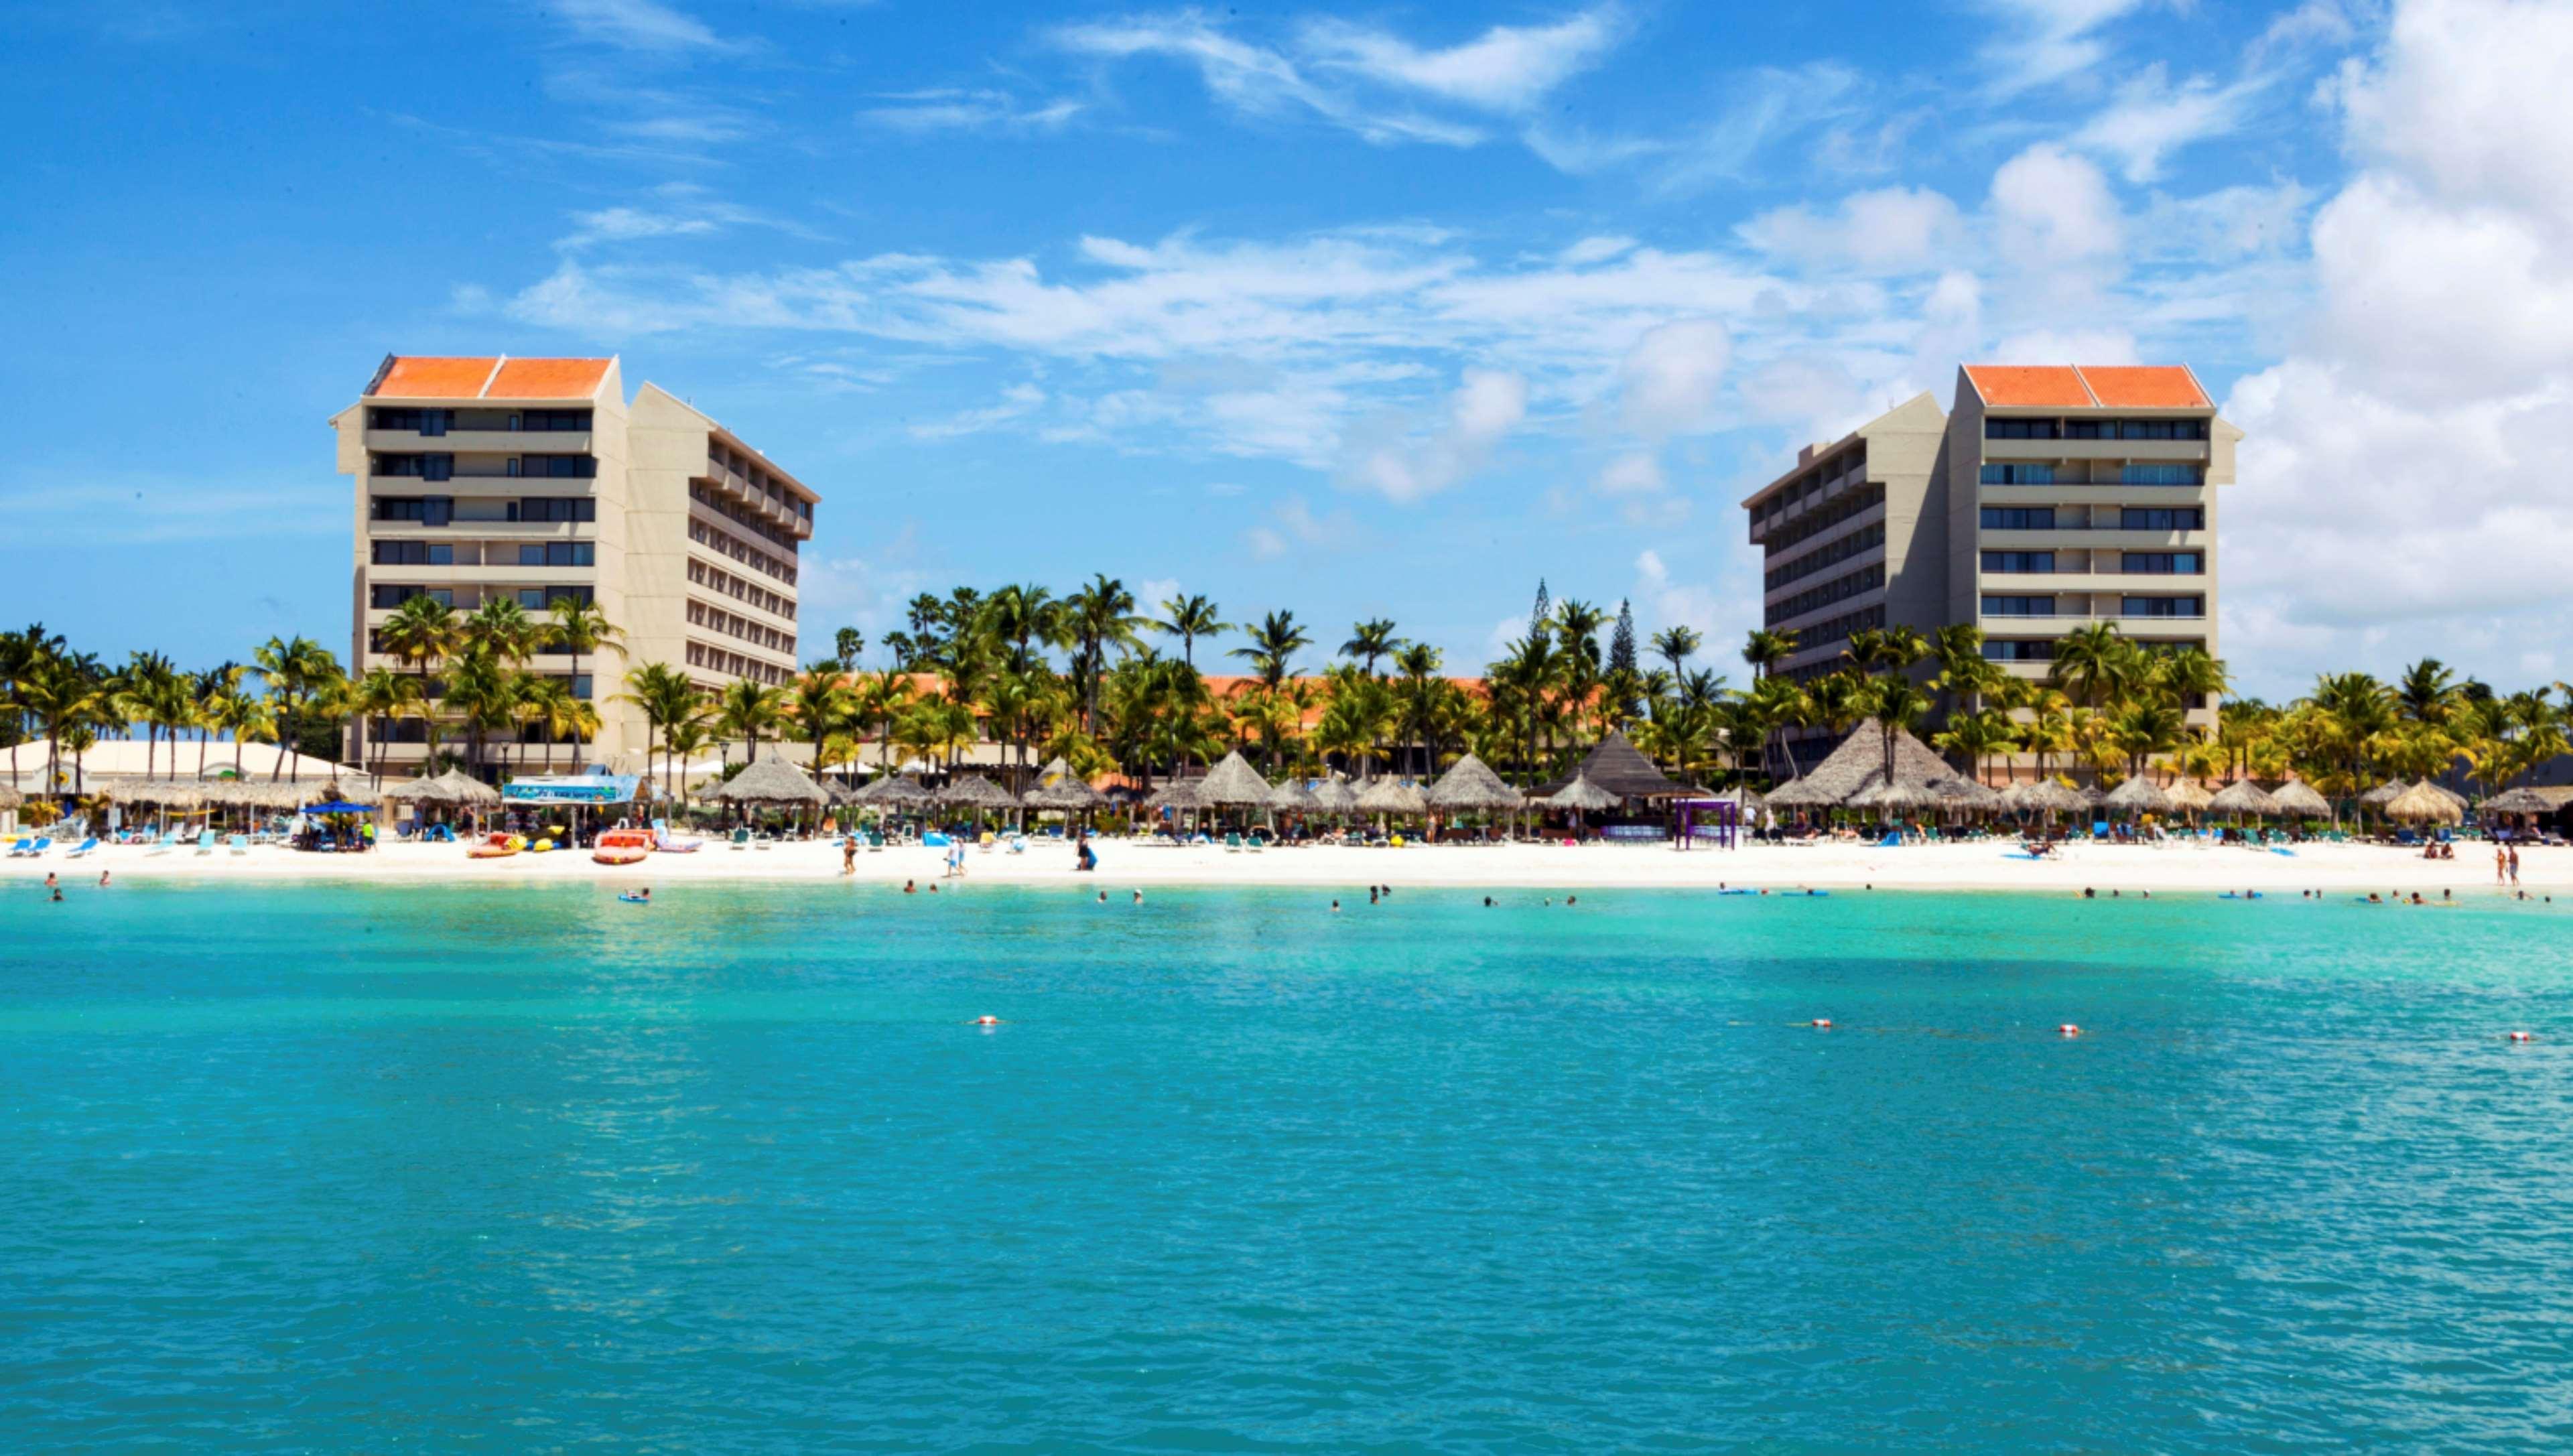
(2501, 864)
(849, 854)
(2514, 864)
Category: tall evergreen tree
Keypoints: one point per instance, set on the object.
(1621, 643)
(1542, 621)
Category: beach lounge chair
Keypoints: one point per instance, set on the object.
(1892, 840)
(29, 849)
(88, 847)
(168, 840)
(240, 844)
(1232, 844)
(741, 840)
(205, 841)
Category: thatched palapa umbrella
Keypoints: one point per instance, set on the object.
(1471, 785)
(2296, 799)
(2244, 796)
(973, 791)
(771, 781)
(2424, 804)
(2382, 795)
(1066, 793)
(1335, 796)
(2188, 796)
(1581, 796)
(1291, 797)
(2046, 796)
(1391, 796)
(1893, 796)
(10, 798)
(2137, 796)
(1176, 793)
(1234, 784)
(893, 791)
(2519, 801)
(1968, 794)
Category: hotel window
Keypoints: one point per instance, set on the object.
(554, 509)
(2166, 563)
(2018, 517)
(424, 467)
(2161, 475)
(2019, 607)
(2018, 475)
(557, 554)
(542, 598)
(385, 598)
(2163, 606)
(550, 419)
(436, 510)
(556, 467)
(413, 554)
(423, 421)
(2158, 518)
(1996, 427)
(2007, 650)
(2019, 561)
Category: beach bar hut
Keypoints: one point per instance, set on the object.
(774, 783)
(1234, 784)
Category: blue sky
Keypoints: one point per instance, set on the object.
(1352, 311)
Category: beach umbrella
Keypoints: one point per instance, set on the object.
(2188, 796)
(1803, 793)
(1335, 796)
(2298, 800)
(1055, 768)
(1899, 795)
(2444, 792)
(1234, 784)
(2242, 797)
(1391, 796)
(2046, 796)
(1581, 794)
(2424, 804)
(1176, 793)
(1291, 797)
(1471, 784)
(1965, 793)
(2382, 795)
(973, 791)
(2519, 801)
(891, 790)
(2138, 795)
(364, 798)
(1066, 793)
(10, 798)
(771, 781)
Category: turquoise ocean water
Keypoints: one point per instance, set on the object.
(309, 1168)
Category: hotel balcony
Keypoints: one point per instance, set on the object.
(480, 441)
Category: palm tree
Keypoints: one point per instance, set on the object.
(582, 628)
(2089, 662)
(1023, 616)
(1371, 640)
(1188, 618)
(420, 631)
(20, 652)
(746, 709)
(296, 669)
(669, 701)
(484, 692)
(231, 708)
(381, 696)
(1765, 651)
(1580, 624)
(1273, 647)
(63, 691)
(1676, 645)
(1102, 616)
(877, 699)
(2427, 690)
(821, 704)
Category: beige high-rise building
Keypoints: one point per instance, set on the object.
(2051, 498)
(533, 480)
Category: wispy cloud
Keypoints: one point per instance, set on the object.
(953, 109)
(2151, 118)
(1508, 67)
(640, 25)
(2039, 41)
(1256, 79)
(1016, 402)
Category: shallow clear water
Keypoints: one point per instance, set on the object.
(333, 1169)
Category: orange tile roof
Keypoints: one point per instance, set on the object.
(2161, 386)
(490, 377)
(414, 377)
(2031, 386)
(548, 378)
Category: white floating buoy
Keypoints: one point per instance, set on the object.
(2521, 1036)
(1822, 1023)
(2068, 1029)
(987, 1021)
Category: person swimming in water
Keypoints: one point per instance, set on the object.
(910, 887)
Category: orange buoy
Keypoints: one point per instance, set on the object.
(2520, 1037)
(1823, 1024)
(2068, 1029)
(987, 1021)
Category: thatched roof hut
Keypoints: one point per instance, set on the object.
(1901, 793)
(2383, 794)
(2519, 801)
(2444, 792)
(1471, 784)
(2046, 796)
(1176, 793)
(1055, 769)
(1234, 784)
(2137, 795)
(1068, 794)
(2298, 800)
(771, 780)
(893, 791)
(1616, 765)
(1579, 794)
(1391, 796)
(10, 798)
(1859, 765)
(2424, 804)
(1965, 793)
(973, 791)
(1291, 797)
(2188, 796)
(166, 792)
(1335, 796)
(2242, 797)
(452, 787)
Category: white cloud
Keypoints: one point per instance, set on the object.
(640, 25)
(2051, 207)
(1292, 524)
(1016, 402)
(951, 110)
(1670, 379)
(2397, 493)
(1671, 603)
(1894, 228)
(2151, 119)
(2042, 40)
(1636, 473)
(1507, 68)
(1255, 79)
(1485, 408)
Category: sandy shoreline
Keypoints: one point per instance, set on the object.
(1984, 866)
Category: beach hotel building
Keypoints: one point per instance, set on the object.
(2048, 497)
(533, 480)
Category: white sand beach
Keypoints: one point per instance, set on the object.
(1988, 865)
